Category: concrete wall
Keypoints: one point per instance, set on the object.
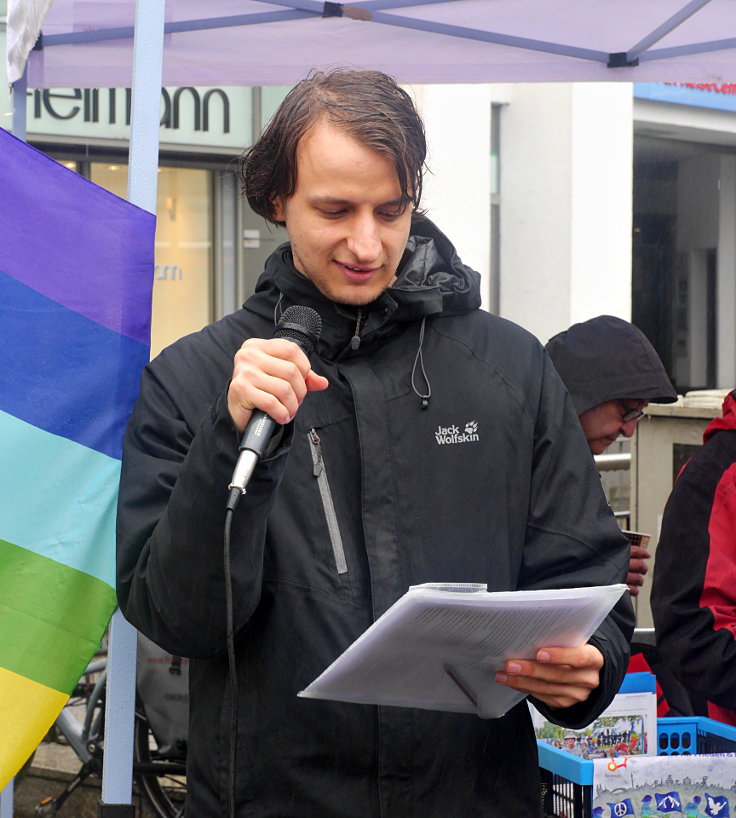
(457, 188)
(566, 186)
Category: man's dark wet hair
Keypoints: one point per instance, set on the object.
(367, 105)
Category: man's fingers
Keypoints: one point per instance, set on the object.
(315, 382)
(638, 552)
(560, 677)
(560, 691)
(580, 656)
(554, 694)
(638, 567)
(272, 375)
(634, 578)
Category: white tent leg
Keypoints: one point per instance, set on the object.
(117, 764)
(18, 127)
(146, 101)
(117, 770)
(20, 89)
(6, 801)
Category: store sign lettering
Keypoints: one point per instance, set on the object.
(167, 272)
(715, 87)
(110, 106)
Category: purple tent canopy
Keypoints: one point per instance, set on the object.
(251, 42)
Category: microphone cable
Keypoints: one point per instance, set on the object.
(232, 668)
(302, 326)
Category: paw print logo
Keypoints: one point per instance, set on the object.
(471, 427)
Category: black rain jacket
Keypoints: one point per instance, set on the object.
(694, 586)
(368, 493)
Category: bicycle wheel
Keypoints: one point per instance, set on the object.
(163, 782)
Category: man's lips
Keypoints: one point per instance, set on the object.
(355, 273)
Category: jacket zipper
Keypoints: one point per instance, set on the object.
(318, 470)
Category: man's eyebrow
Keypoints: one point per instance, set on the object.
(328, 200)
(334, 200)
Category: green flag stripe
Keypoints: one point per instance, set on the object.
(52, 617)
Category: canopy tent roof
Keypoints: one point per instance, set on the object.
(254, 42)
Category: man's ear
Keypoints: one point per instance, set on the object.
(278, 211)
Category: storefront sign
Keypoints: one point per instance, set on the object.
(721, 96)
(202, 117)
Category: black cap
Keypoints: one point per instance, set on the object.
(607, 358)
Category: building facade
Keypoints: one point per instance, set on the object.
(572, 200)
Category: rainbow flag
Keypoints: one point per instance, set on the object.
(76, 270)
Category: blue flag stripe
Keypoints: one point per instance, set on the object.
(58, 498)
(63, 372)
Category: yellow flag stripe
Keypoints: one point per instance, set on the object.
(27, 711)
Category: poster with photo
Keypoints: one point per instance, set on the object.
(627, 727)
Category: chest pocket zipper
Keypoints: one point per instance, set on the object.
(318, 470)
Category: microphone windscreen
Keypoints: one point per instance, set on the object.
(302, 325)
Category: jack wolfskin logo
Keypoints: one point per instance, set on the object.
(452, 434)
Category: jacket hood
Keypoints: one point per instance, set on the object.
(727, 421)
(607, 358)
(431, 281)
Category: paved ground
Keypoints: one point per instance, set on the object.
(54, 766)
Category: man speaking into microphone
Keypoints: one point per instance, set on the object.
(358, 494)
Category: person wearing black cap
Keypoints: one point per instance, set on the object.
(612, 372)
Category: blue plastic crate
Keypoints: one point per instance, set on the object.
(688, 736)
(567, 780)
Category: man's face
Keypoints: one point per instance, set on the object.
(603, 424)
(346, 220)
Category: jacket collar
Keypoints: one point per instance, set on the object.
(431, 281)
(727, 421)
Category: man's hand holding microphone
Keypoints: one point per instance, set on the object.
(271, 377)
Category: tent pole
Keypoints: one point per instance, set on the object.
(145, 105)
(117, 773)
(6, 800)
(18, 129)
(20, 89)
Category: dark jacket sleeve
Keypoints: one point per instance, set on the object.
(573, 539)
(179, 452)
(694, 588)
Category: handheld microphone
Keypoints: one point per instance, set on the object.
(302, 326)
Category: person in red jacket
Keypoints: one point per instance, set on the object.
(694, 588)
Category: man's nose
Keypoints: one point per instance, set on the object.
(628, 429)
(364, 242)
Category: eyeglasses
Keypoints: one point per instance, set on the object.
(630, 414)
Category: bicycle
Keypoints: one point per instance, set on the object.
(161, 781)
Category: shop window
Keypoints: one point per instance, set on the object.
(684, 197)
(182, 287)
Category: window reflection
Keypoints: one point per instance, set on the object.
(182, 287)
(683, 193)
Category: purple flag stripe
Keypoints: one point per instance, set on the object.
(91, 251)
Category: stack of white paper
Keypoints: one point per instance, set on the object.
(438, 646)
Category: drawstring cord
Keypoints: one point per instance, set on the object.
(355, 340)
(277, 311)
(355, 345)
(419, 358)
